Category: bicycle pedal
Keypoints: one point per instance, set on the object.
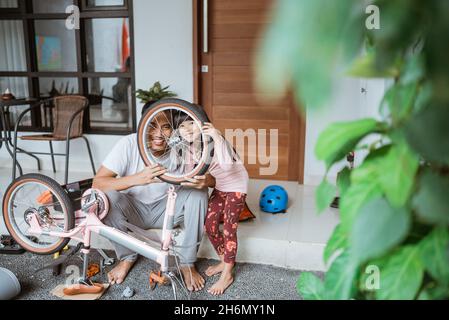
(156, 278)
(93, 270)
(9, 246)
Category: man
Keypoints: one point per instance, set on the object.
(138, 197)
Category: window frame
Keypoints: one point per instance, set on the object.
(28, 18)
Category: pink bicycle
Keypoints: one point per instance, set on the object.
(41, 217)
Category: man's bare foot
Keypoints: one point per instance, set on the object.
(215, 269)
(225, 281)
(194, 281)
(119, 273)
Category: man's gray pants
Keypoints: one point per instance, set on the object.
(190, 211)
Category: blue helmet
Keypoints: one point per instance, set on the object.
(274, 199)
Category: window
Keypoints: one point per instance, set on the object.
(9, 4)
(41, 57)
(105, 3)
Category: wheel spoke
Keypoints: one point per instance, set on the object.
(172, 119)
(29, 205)
(171, 123)
(21, 223)
(160, 128)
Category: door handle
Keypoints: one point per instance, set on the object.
(205, 26)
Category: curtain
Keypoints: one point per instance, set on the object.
(8, 4)
(12, 56)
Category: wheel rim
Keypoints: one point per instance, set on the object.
(24, 200)
(173, 137)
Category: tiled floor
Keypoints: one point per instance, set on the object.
(295, 240)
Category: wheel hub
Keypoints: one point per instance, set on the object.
(28, 215)
(174, 141)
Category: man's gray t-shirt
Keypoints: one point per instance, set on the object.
(125, 160)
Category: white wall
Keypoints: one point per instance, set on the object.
(163, 51)
(348, 103)
(164, 45)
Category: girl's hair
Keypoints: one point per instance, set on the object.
(179, 118)
(182, 117)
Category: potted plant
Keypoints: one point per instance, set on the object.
(154, 94)
(392, 242)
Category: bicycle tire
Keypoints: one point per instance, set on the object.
(64, 200)
(198, 115)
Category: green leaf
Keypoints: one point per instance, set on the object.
(364, 187)
(378, 228)
(338, 240)
(310, 287)
(400, 100)
(365, 67)
(423, 97)
(434, 292)
(428, 134)
(399, 169)
(367, 274)
(357, 195)
(435, 254)
(341, 138)
(402, 275)
(340, 281)
(413, 70)
(325, 194)
(432, 201)
(344, 181)
(400, 24)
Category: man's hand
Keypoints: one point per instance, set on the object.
(149, 175)
(200, 182)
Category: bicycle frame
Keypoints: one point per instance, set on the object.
(92, 224)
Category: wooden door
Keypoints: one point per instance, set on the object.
(225, 87)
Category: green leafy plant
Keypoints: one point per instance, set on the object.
(394, 207)
(155, 93)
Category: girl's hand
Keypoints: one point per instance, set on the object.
(211, 131)
(200, 182)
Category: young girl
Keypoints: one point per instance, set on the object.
(227, 201)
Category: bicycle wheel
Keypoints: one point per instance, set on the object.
(170, 134)
(40, 195)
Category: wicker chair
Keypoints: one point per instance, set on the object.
(67, 116)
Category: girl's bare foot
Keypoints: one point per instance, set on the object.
(215, 269)
(119, 273)
(226, 279)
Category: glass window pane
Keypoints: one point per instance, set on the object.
(51, 6)
(12, 46)
(50, 87)
(19, 88)
(105, 3)
(108, 45)
(17, 85)
(9, 4)
(55, 45)
(110, 103)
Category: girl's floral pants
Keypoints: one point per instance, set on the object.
(226, 205)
